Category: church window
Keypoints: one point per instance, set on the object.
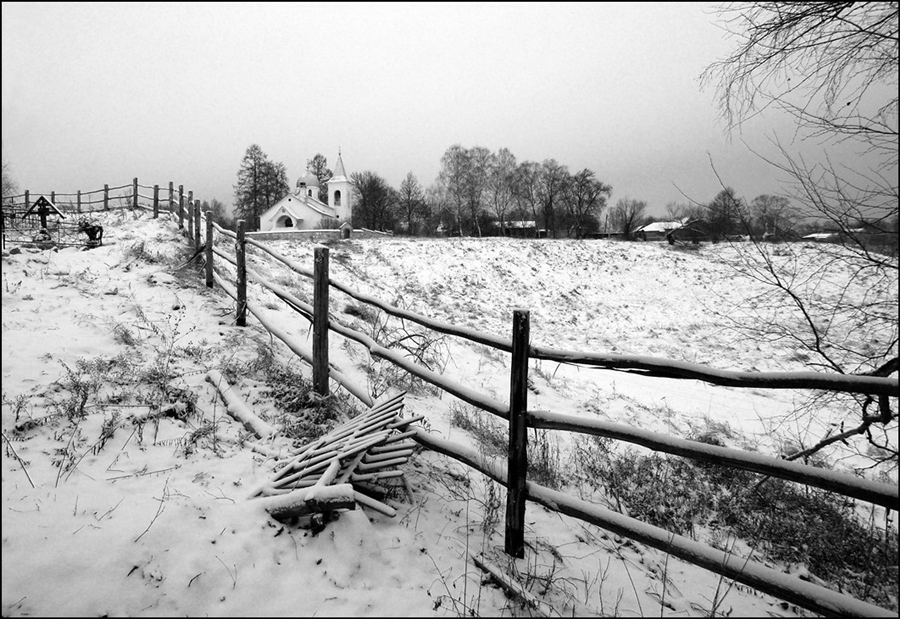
(337, 197)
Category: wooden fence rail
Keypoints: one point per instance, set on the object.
(513, 474)
(132, 198)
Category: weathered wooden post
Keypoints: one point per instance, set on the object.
(134, 193)
(517, 465)
(27, 200)
(197, 226)
(155, 201)
(209, 249)
(320, 321)
(239, 250)
(190, 215)
(105, 197)
(53, 197)
(171, 197)
(77, 208)
(180, 207)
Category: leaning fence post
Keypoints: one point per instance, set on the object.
(190, 215)
(134, 186)
(209, 251)
(239, 252)
(517, 466)
(155, 201)
(105, 197)
(180, 207)
(197, 227)
(320, 321)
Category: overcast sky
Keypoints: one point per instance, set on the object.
(98, 93)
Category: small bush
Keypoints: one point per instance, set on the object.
(304, 415)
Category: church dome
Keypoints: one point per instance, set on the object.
(309, 180)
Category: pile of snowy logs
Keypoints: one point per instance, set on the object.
(344, 467)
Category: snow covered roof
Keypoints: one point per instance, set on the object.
(339, 173)
(820, 235)
(661, 226)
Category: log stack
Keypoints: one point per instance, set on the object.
(344, 467)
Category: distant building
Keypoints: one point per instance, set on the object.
(522, 228)
(302, 209)
(658, 230)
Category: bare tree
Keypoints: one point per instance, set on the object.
(438, 208)
(480, 163)
(454, 174)
(727, 214)
(376, 201)
(318, 165)
(585, 199)
(554, 179)
(627, 215)
(501, 182)
(411, 202)
(833, 67)
(773, 216)
(527, 189)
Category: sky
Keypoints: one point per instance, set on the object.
(100, 93)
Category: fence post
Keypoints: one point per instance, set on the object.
(517, 466)
(105, 197)
(171, 197)
(53, 197)
(78, 208)
(155, 201)
(239, 250)
(190, 215)
(209, 249)
(27, 200)
(180, 207)
(320, 321)
(197, 227)
(134, 186)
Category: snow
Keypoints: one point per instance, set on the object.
(157, 521)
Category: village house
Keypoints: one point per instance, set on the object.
(302, 209)
(658, 230)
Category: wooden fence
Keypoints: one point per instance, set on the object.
(513, 474)
(19, 228)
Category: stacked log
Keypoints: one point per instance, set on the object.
(356, 455)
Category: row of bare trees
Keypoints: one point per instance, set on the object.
(479, 192)
(478, 189)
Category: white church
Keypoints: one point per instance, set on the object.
(302, 210)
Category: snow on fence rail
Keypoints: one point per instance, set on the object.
(512, 475)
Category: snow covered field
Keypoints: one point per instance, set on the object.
(153, 519)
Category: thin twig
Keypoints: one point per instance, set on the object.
(66, 453)
(13, 449)
(234, 577)
(159, 510)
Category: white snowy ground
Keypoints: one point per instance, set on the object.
(156, 522)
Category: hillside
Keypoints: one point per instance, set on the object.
(152, 518)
